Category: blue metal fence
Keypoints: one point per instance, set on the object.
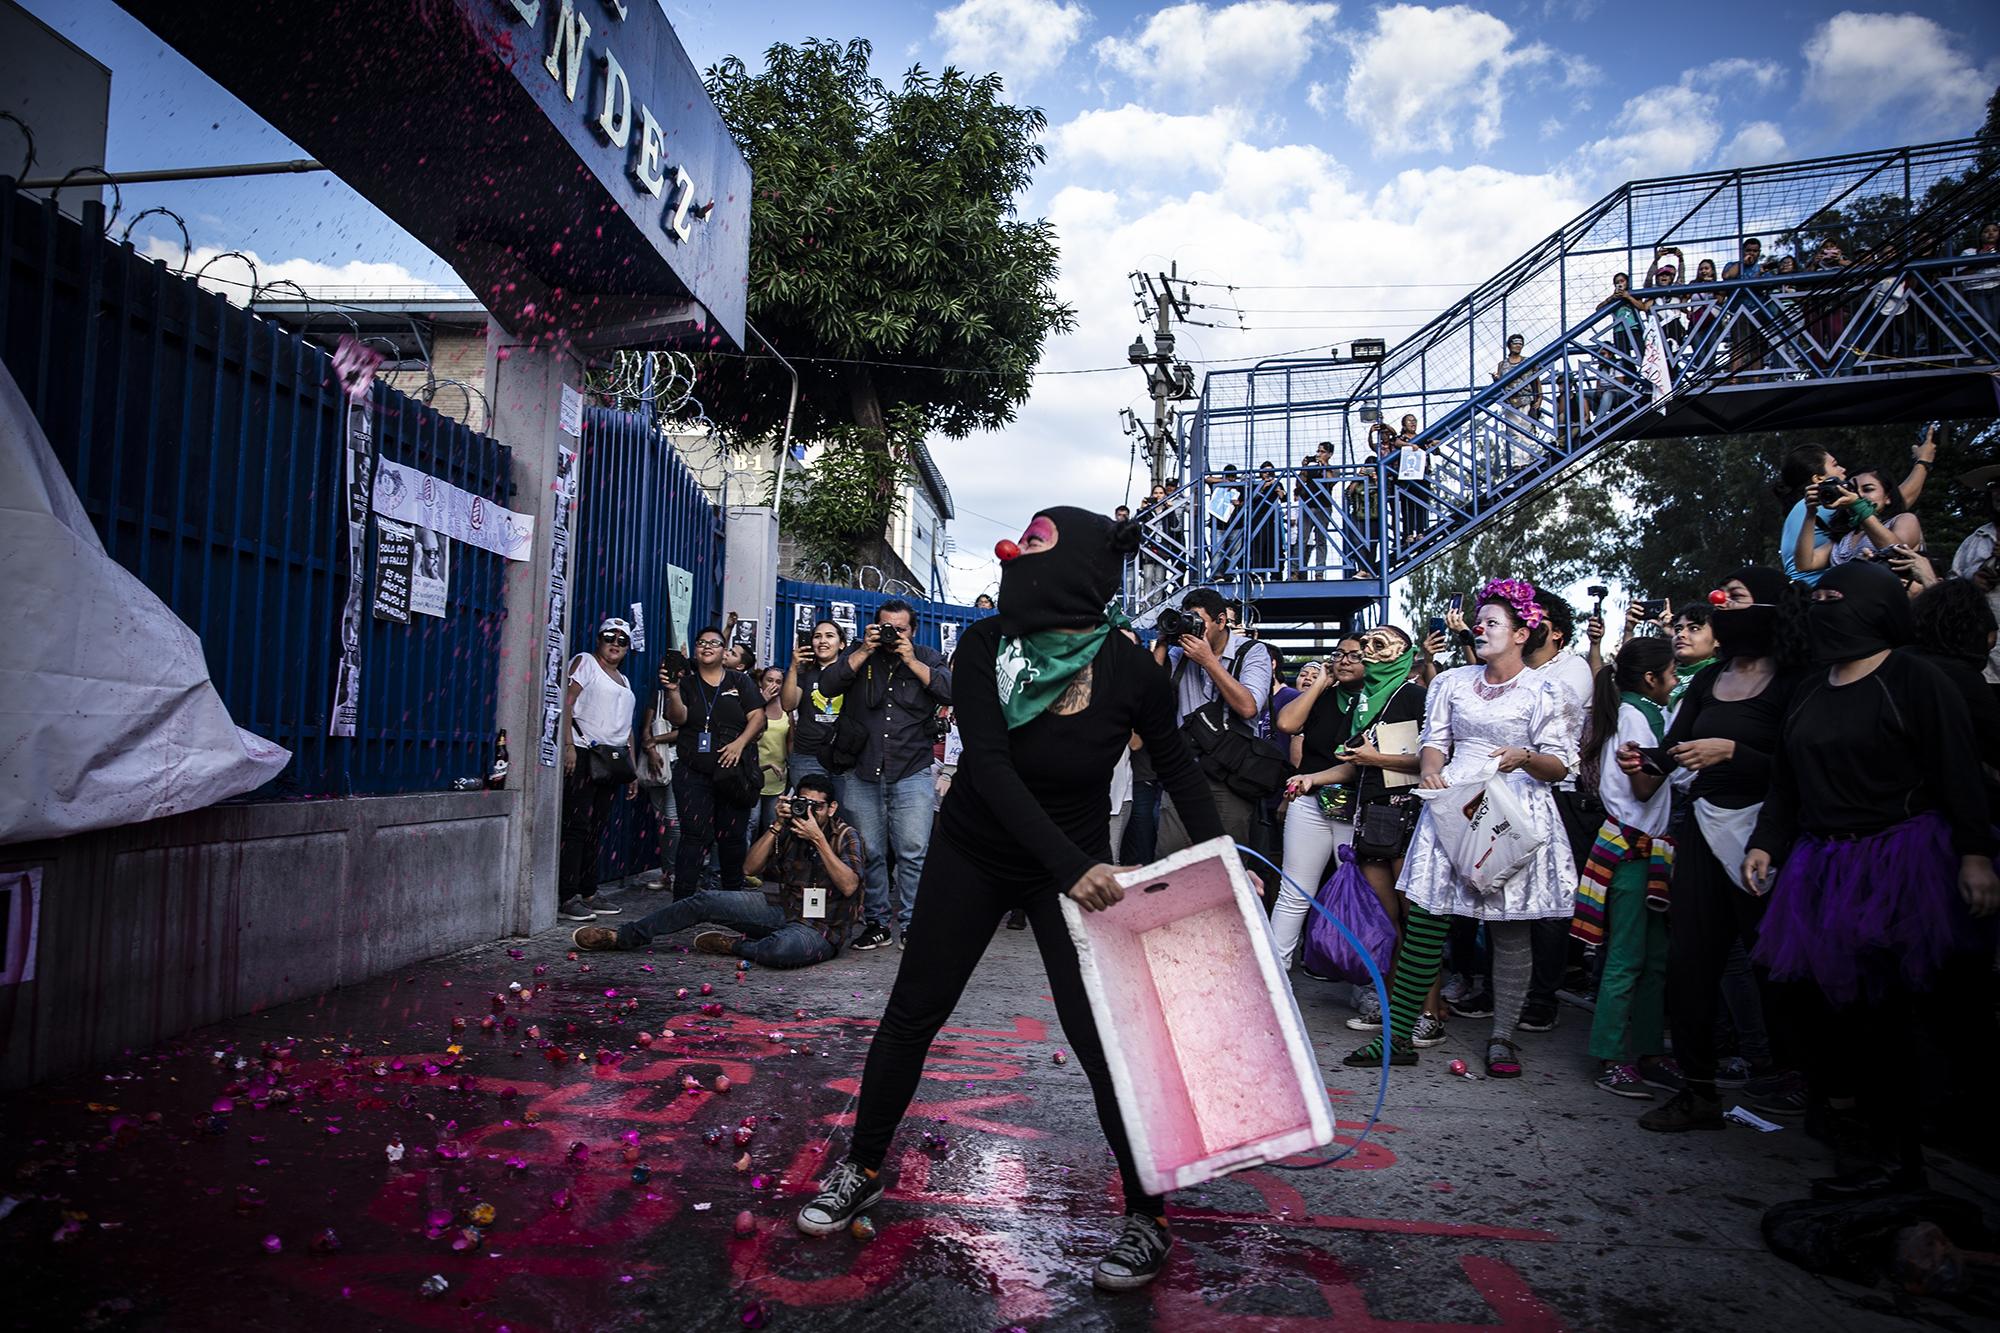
(930, 617)
(639, 511)
(206, 444)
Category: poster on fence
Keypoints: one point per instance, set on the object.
(680, 605)
(948, 637)
(410, 496)
(395, 556)
(638, 623)
(567, 463)
(843, 616)
(360, 462)
(430, 579)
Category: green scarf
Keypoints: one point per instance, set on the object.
(1651, 712)
(1381, 680)
(1688, 673)
(1035, 669)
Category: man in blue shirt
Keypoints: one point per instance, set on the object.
(1800, 472)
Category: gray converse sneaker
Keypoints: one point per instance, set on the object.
(1429, 1031)
(842, 1197)
(1138, 1256)
(1368, 1017)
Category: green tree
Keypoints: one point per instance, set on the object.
(883, 230)
(1569, 532)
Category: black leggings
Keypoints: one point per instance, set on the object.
(1710, 914)
(959, 905)
(585, 807)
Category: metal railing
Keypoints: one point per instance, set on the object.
(1487, 430)
(206, 443)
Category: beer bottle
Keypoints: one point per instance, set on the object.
(498, 777)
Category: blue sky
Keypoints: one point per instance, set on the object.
(1268, 142)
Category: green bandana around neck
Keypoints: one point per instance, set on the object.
(1381, 680)
(1688, 673)
(1035, 669)
(1650, 711)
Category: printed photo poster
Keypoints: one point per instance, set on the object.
(395, 556)
(1411, 463)
(843, 616)
(638, 624)
(804, 616)
(948, 638)
(550, 746)
(430, 578)
(359, 461)
(743, 634)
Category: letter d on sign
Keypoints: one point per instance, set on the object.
(614, 116)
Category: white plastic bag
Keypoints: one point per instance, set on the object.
(1486, 830)
(1727, 833)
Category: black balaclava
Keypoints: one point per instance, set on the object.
(1067, 586)
(1750, 631)
(1871, 614)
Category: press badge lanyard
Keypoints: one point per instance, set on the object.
(705, 742)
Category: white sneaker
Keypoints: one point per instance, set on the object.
(1369, 1019)
(1456, 988)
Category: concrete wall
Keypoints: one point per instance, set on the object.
(152, 929)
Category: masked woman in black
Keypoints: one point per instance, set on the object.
(1725, 731)
(1047, 696)
(1878, 818)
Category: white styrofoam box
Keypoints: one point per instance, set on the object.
(1207, 1051)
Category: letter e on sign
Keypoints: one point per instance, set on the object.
(648, 169)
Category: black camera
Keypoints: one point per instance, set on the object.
(1597, 591)
(1173, 623)
(1651, 609)
(674, 664)
(1831, 490)
(891, 636)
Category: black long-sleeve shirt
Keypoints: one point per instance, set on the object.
(1857, 759)
(1753, 723)
(895, 706)
(1035, 802)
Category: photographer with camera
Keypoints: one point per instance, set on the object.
(815, 859)
(891, 690)
(1222, 682)
(719, 715)
(1805, 476)
(814, 711)
(1869, 517)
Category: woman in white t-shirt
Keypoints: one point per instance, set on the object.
(1622, 888)
(597, 715)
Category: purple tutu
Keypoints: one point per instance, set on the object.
(1858, 914)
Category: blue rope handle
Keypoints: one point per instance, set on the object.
(1381, 993)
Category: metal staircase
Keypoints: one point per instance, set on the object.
(1907, 330)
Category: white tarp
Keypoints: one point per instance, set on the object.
(107, 715)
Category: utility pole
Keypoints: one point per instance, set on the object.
(1167, 379)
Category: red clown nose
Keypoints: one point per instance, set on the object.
(1718, 598)
(1005, 550)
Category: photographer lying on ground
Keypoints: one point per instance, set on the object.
(815, 859)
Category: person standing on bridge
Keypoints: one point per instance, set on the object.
(1048, 696)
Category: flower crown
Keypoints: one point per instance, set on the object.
(1518, 594)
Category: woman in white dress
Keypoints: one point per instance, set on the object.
(1497, 717)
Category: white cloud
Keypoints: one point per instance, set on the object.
(1859, 65)
(1663, 131)
(1023, 39)
(1429, 78)
(1755, 144)
(222, 270)
(1137, 143)
(1280, 215)
(1238, 52)
(1319, 97)
(1737, 74)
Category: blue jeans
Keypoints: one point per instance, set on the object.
(768, 939)
(801, 764)
(1142, 828)
(886, 815)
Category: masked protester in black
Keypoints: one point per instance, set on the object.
(1878, 817)
(1724, 732)
(1047, 694)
